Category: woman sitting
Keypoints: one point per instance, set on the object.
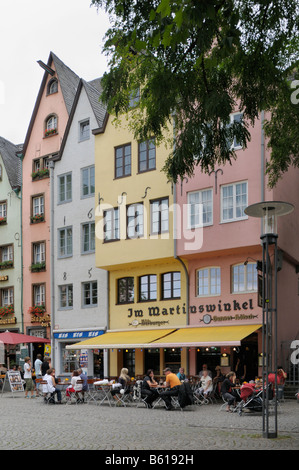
(123, 381)
(148, 388)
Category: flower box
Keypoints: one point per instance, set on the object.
(50, 132)
(2, 220)
(35, 219)
(40, 174)
(6, 264)
(6, 310)
(37, 267)
(37, 310)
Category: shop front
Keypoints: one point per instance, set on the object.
(70, 358)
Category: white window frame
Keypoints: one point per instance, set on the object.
(69, 297)
(89, 171)
(195, 210)
(39, 294)
(233, 117)
(64, 188)
(159, 216)
(248, 270)
(6, 253)
(135, 221)
(66, 250)
(111, 225)
(213, 282)
(7, 296)
(38, 205)
(84, 130)
(90, 284)
(39, 252)
(234, 206)
(88, 230)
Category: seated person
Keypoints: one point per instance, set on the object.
(204, 367)
(85, 384)
(51, 386)
(75, 387)
(148, 388)
(181, 374)
(206, 384)
(123, 381)
(228, 394)
(174, 383)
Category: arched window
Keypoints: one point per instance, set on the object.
(52, 86)
(51, 125)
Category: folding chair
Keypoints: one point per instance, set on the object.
(137, 395)
(48, 398)
(73, 397)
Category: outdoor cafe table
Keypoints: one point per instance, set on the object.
(102, 392)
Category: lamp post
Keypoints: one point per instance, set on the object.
(268, 212)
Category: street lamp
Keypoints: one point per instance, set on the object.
(268, 212)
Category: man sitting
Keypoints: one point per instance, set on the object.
(174, 383)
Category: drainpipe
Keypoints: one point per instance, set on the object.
(262, 161)
(21, 156)
(52, 323)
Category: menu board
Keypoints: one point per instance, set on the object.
(15, 381)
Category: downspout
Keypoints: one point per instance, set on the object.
(52, 323)
(262, 157)
(21, 156)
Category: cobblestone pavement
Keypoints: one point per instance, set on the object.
(30, 424)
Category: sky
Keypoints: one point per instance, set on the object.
(29, 31)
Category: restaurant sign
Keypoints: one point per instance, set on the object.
(221, 312)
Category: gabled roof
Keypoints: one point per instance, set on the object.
(68, 81)
(93, 90)
(11, 162)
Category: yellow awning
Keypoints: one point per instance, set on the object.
(206, 336)
(123, 339)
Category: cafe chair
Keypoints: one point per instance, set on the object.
(47, 397)
(137, 395)
(72, 397)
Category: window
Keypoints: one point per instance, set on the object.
(200, 208)
(234, 201)
(3, 211)
(52, 86)
(147, 155)
(65, 188)
(51, 125)
(38, 206)
(39, 252)
(7, 297)
(84, 130)
(148, 287)
(171, 285)
(125, 290)
(244, 278)
(135, 220)
(159, 216)
(65, 242)
(111, 225)
(66, 296)
(90, 294)
(208, 282)
(88, 237)
(134, 98)
(123, 161)
(236, 118)
(6, 256)
(87, 182)
(39, 294)
(40, 168)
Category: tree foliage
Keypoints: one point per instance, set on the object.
(196, 62)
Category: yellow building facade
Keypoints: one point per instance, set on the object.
(135, 244)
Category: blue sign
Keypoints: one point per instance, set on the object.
(78, 334)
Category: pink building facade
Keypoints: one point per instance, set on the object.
(43, 140)
(221, 251)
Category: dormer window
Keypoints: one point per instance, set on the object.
(52, 86)
(51, 125)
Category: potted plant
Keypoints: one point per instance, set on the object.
(37, 218)
(50, 131)
(37, 267)
(2, 220)
(6, 264)
(6, 309)
(39, 174)
(37, 309)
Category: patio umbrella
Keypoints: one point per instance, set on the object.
(9, 337)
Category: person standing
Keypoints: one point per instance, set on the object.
(38, 371)
(45, 365)
(29, 386)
